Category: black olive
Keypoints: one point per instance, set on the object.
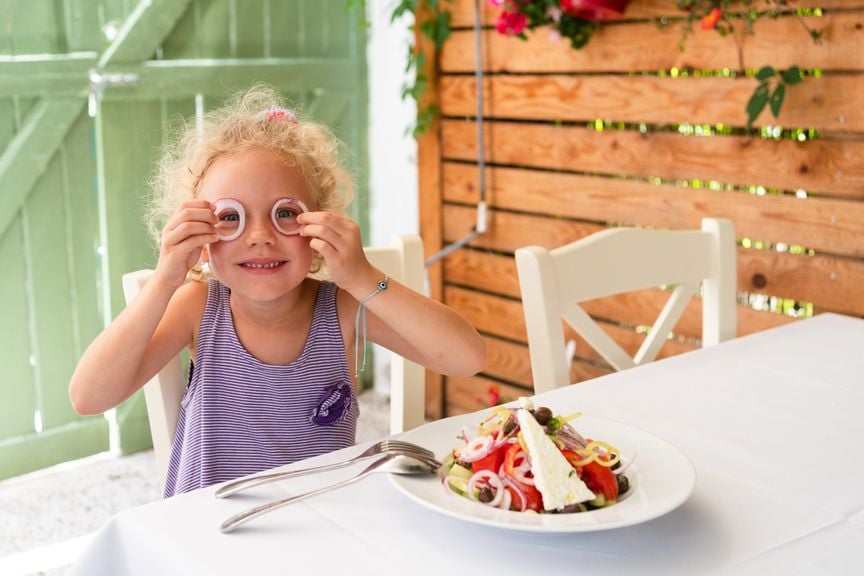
(543, 415)
(485, 495)
(623, 483)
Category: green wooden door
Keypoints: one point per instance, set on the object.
(65, 249)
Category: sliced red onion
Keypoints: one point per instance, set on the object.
(492, 480)
(523, 501)
(506, 500)
(476, 448)
(223, 205)
(500, 439)
(571, 439)
(521, 470)
(290, 226)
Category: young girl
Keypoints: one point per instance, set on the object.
(259, 197)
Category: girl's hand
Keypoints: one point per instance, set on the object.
(186, 233)
(337, 239)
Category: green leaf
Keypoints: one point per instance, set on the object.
(757, 103)
(765, 73)
(442, 29)
(792, 76)
(777, 99)
(401, 8)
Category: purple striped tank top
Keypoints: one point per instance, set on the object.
(240, 416)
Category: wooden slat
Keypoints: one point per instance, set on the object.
(832, 167)
(29, 152)
(831, 284)
(502, 317)
(634, 309)
(508, 231)
(826, 225)
(511, 362)
(55, 74)
(471, 394)
(508, 361)
(462, 11)
(622, 48)
(144, 30)
(827, 103)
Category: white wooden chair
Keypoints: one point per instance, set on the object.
(613, 261)
(403, 261)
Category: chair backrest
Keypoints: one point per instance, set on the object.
(554, 282)
(402, 261)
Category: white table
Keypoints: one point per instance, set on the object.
(773, 423)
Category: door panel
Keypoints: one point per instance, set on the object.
(75, 226)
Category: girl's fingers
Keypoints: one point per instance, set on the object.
(325, 249)
(185, 229)
(338, 224)
(322, 233)
(191, 215)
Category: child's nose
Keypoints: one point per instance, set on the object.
(260, 232)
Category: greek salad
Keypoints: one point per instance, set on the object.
(526, 459)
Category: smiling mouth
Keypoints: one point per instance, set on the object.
(265, 266)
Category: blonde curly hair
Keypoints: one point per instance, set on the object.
(254, 118)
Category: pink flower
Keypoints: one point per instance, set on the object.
(594, 9)
(495, 3)
(510, 23)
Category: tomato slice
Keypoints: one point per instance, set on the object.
(491, 461)
(600, 480)
(533, 496)
(512, 458)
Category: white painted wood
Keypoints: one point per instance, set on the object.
(619, 260)
(402, 261)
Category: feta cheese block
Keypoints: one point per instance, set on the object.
(554, 477)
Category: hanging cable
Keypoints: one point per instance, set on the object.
(480, 225)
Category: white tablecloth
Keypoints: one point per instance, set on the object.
(773, 423)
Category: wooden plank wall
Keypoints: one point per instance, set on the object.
(553, 177)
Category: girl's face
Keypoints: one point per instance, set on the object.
(261, 262)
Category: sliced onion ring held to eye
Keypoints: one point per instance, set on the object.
(290, 226)
(230, 229)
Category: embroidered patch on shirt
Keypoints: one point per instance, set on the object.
(333, 405)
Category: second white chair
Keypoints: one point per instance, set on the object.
(618, 260)
(402, 261)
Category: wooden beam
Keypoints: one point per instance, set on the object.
(189, 77)
(28, 154)
(42, 74)
(144, 30)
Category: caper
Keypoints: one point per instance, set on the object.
(543, 415)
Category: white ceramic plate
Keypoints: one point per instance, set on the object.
(661, 479)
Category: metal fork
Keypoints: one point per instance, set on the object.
(391, 463)
(383, 447)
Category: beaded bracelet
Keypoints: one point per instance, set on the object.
(360, 319)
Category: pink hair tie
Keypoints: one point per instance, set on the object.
(276, 113)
